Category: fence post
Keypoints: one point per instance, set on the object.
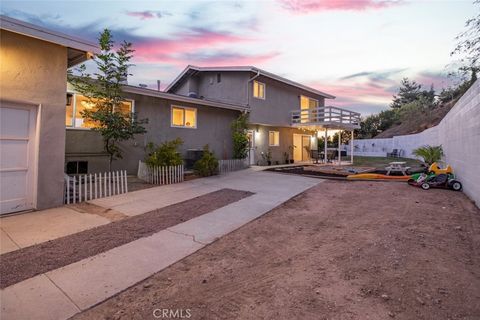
(126, 182)
(68, 190)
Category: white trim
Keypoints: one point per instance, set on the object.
(273, 145)
(264, 90)
(184, 108)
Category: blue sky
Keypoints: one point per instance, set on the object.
(357, 50)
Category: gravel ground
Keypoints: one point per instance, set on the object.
(341, 250)
(25, 263)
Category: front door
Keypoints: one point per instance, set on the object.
(306, 148)
(251, 147)
(301, 147)
(17, 157)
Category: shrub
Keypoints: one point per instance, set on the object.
(165, 154)
(239, 136)
(430, 154)
(207, 165)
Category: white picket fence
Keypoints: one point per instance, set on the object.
(160, 175)
(229, 165)
(95, 185)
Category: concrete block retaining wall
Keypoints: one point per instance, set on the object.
(458, 133)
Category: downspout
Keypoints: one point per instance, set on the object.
(248, 86)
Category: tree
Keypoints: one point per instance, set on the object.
(103, 91)
(409, 91)
(468, 47)
(239, 136)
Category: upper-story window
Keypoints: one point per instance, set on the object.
(184, 117)
(259, 90)
(76, 104)
(308, 103)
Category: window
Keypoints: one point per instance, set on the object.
(69, 111)
(184, 117)
(77, 103)
(308, 103)
(219, 77)
(77, 167)
(259, 90)
(273, 138)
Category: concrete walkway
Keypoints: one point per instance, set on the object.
(63, 292)
(24, 230)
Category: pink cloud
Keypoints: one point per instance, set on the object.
(306, 6)
(227, 58)
(145, 15)
(169, 50)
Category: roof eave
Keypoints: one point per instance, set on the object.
(34, 31)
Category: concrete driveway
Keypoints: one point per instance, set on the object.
(63, 292)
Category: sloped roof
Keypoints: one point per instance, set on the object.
(77, 48)
(177, 97)
(190, 70)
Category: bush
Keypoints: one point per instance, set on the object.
(165, 154)
(207, 165)
(239, 137)
(429, 154)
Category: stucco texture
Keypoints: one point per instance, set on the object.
(34, 71)
(213, 128)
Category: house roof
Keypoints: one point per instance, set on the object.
(78, 49)
(176, 97)
(191, 70)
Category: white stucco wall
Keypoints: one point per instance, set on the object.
(458, 133)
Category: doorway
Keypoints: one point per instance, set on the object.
(251, 147)
(17, 154)
(301, 147)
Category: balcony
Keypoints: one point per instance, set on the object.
(326, 118)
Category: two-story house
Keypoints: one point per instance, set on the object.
(285, 116)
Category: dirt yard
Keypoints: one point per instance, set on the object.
(341, 250)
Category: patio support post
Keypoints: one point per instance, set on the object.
(351, 149)
(325, 146)
(339, 145)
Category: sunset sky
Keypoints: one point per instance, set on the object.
(357, 50)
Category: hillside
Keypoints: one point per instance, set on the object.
(418, 121)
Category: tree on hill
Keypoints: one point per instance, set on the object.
(468, 47)
(408, 92)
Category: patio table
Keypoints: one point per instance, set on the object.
(397, 166)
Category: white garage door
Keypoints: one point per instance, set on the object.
(17, 157)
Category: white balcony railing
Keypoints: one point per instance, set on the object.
(329, 117)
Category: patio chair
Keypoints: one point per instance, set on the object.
(393, 154)
(315, 155)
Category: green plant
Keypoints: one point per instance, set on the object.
(286, 157)
(207, 165)
(267, 157)
(239, 136)
(104, 92)
(429, 154)
(165, 154)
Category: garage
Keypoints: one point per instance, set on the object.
(17, 156)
